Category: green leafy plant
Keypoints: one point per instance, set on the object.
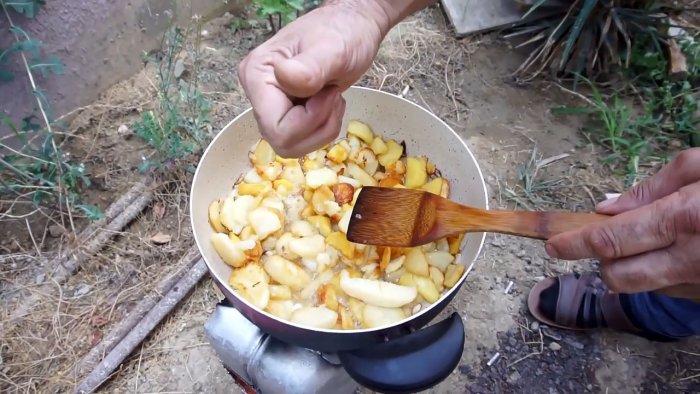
(672, 103)
(39, 172)
(31, 48)
(36, 168)
(586, 37)
(27, 7)
(284, 11)
(180, 124)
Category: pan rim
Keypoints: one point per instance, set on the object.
(400, 323)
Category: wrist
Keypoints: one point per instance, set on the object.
(385, 13)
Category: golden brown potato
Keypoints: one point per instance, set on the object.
(343, 193)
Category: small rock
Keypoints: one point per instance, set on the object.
(589, 387)
(179, 68)
(123, 130)
(82, 290)
(514, 377)
(40, 278)
(555, 346)
(465, 369)
(161, 239)
(573, 343)
(512, 342)
(521, 253)
(534, 326)
(56, 231)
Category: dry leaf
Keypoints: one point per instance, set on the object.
(98, 321)
(158, 211)
(161, 239)
(95, 337)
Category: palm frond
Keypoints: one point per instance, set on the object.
(593, 38)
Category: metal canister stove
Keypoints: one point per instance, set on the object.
(264, 365)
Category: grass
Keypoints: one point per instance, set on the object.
(532, 189)
(664, 118)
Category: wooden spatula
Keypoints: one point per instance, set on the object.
(407, 217)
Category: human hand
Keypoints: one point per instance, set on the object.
(295, 79)
(653, 241)
(315, 57)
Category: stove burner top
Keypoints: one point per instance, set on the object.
(262, 364)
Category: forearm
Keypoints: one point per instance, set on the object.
(387, 13)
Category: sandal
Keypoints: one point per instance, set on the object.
(582, 302)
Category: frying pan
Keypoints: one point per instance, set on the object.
(404, 357)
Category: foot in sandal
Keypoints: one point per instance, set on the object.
(583, 302)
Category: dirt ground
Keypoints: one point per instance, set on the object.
(509, 129)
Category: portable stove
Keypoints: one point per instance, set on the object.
(262, 364)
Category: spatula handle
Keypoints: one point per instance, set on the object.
(544, 225)
(535, 224)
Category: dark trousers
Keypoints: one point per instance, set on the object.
(664, 315)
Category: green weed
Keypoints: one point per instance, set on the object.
(667, 111)
(281, 12)
(38, 170)
(180, 124)
(672, 104)
(530, 190)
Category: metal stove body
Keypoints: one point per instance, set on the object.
(269, 366)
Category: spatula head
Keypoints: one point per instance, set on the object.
(392, 217)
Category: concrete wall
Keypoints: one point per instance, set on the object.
(100, 42)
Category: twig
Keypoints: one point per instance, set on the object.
(677, 63)
(91, 240)
(31, 235)
(107, 106)
(541, 343)
(689, 377)
(687, 352)
(577, 94)
(117, 334)
(125, 347)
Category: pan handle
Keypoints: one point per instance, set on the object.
(411, 363)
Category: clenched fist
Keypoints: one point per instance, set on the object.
(295, 79)
(653, 241)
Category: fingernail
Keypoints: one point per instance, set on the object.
(606, 203)
(551, 251)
